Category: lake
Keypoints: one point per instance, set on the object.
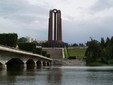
(59, 75)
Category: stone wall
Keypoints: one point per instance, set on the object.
(67, 62)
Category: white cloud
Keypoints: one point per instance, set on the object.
(101, 5)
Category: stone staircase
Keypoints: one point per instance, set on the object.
(55, 53)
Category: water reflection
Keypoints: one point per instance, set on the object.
(58, 76)
(54, 76)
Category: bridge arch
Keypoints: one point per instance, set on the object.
(44, 63)
(48, 64)
(39, 63)
(30, 64)
(1, 63)
(15, 63)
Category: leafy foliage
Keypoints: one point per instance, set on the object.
(9, 39)
(27, 46)
(48, 55)
(38, 50)
(44, 53)
(23, 39)
(99, 51)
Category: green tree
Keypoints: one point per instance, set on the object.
(103, 45)
(109, 49)
(93, 51)
(8, 39)
(23, 39)
(27, 46)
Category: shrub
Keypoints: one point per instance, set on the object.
(110, 61)
(27, 46)
(72, 57)
(48, 55)
(38, 50)
(44, 53)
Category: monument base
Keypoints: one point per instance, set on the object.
(54, 43)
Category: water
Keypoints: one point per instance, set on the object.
(64, 75)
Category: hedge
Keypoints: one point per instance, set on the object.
(9, 39)
(27, 46)
(72, 57)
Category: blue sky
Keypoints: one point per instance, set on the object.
(81, 19)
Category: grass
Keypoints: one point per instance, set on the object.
(78, 52)
(66, 52)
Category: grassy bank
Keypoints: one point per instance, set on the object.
(66, 52)
(78, 52)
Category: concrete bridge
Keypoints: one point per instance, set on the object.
(14, 57)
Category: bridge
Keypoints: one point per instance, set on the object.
(14, 57)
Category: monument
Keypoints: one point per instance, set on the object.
(55, 29)
(55, 24)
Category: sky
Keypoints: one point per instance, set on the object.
(81, 19)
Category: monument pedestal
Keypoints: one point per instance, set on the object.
(54, 44)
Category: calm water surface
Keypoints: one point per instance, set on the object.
(64, 75)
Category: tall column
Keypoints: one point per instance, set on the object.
(55, 25)
(59, 27)
(50, 27)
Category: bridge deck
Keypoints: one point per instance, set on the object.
(7, 49)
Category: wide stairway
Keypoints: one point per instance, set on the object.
(55, 53)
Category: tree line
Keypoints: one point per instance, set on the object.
(100, 52)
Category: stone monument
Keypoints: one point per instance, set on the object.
(55, 24)
(55, 30)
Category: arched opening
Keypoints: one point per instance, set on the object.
(30, 64)
(39, 64)
(1, 65)
(48, 64)
(15, 64)
(44, 63)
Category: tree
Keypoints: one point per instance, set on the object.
(8, 39)
(107, 41)
(75, 44)
(103, 45)
(23, 39)
(81, 44)
(93, 51)
(27, 46)
(109, 48)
